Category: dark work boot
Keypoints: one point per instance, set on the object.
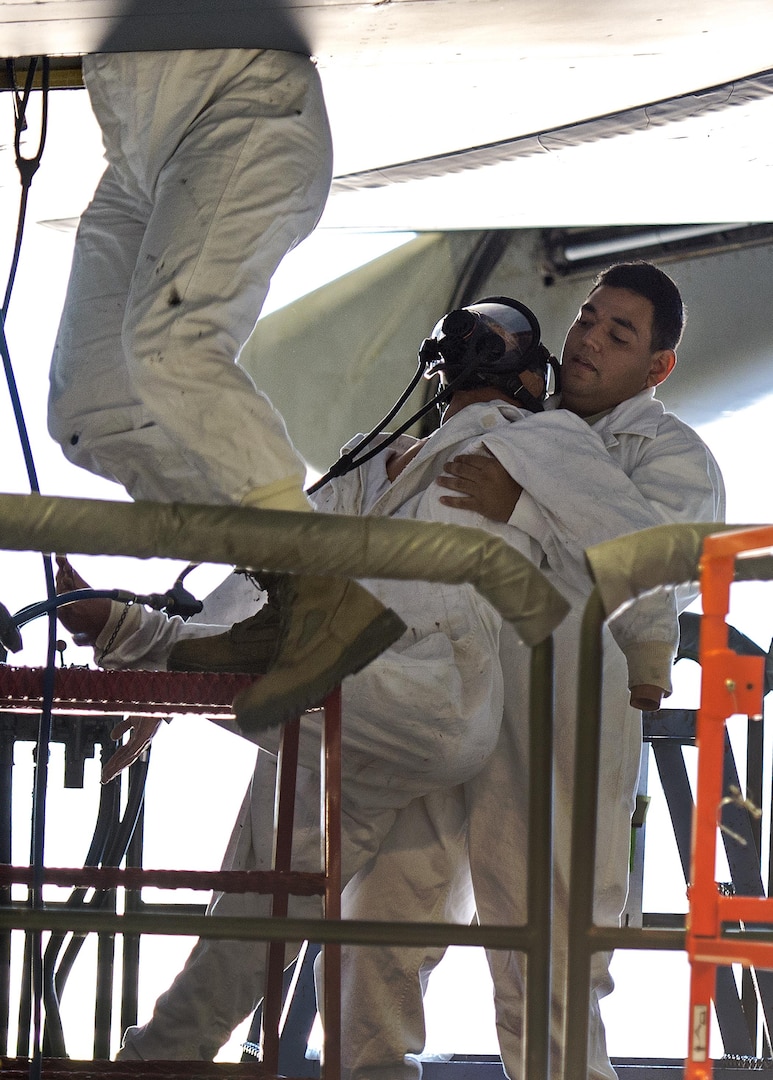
(324, 628)
(250, 646)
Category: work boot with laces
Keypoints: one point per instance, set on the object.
(249, 646)
(312, 633)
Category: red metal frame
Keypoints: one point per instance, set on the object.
(730, 684)
(161, 693)
(166, 693)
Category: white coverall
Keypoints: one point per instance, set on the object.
(661, 462)
(424, 713)
(218, 163)
(423, 716)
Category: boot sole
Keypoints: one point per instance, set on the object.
(268, 704)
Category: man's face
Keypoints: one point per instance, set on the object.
(607, 356)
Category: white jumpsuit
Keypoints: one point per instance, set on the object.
(399, 719)
(218, 162)
(661, 462)
(422, 717)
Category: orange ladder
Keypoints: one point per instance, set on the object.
(730, 684)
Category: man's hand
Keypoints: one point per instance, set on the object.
(645, 697)
(483, 484)
(85, 619)
(142, 731)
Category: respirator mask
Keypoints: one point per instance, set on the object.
(489, 343)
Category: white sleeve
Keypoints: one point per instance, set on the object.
(136, 637)
(587, 498)
(583, 495)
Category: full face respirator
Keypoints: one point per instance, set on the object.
(489, 343)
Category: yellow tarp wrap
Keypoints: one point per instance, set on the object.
(293, 542)
(665, 555)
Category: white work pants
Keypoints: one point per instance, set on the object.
(417, 722)
(219, 162)
(222, 981)
(499, 871)
(421, 872)
(497, 806)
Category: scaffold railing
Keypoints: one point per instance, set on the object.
(349, 547)
(622, 569)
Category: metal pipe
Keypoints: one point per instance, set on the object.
(540, 856)
(242, 928)
(583, 847)
(335, 544)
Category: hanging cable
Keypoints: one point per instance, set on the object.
(27, 168)
(480, 264)
(53, 1034)
(355, 457)
(347, 461)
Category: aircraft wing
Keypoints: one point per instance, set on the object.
(453, 114)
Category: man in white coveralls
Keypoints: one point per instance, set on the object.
(194, 1018)
(620, 347)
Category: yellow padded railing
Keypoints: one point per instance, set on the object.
(327, 544)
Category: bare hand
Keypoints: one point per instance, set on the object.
(85, 619)
(142, 731)
(646, 697)
(483, 484)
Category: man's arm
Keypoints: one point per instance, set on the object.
(587, 493)
(139, 639)
(572, 490)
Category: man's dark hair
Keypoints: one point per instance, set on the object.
(648, 281)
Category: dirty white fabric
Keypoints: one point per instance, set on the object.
(657, 463)
(218, 162)
(422, 717)
(186, 1023)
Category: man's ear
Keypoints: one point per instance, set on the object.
(663, 362)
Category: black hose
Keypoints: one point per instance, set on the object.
(106, 850)
(53, 1033)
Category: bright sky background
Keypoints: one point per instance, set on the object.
(184, 831)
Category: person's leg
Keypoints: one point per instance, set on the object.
(247, 182)
(92, 401)
(177, 258)
(498, 799)
(420, 873)
(222, 981)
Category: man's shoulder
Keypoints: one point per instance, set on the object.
(646, 428)
(647, 416)
(477, 419)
